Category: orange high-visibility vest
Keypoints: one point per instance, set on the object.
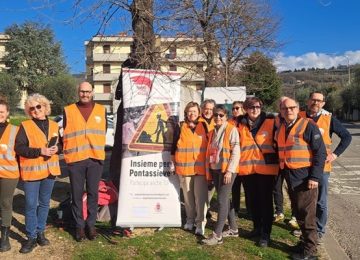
(191, 150)
(232, 121)
(32, 169)
(225, 152)
(324, 126)
(294, 152)
(253, 151)
(9, 167)
(84, 139)
(210, 126)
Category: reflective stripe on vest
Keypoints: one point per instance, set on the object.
(32, 169)
(324, 126)
(191, 150)
(294, 152)
(8, 163)
(84, 139)
(252, 153)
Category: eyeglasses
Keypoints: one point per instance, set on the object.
(85, 91)
(218, 114)
(288, 108)
(236, 108)
(255, 107)
(317, 100)
(38, 107)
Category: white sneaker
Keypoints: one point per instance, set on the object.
(212, 240)
(199, 231)
(293, 223)
(189, 226)
(230, 233)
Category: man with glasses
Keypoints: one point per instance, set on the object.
(327, 125)
(84, 126)
(302, 157)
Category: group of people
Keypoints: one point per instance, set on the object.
(29, 153)
(258, 150)
(211, 152)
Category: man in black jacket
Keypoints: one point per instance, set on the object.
(327, 125)
(302, 157)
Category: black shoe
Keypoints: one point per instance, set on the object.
(42, 240)
(92, 234)
(303, 256)
(298, 248)
(80, 234)
(254, 233)
(263, 242)
(4, 242)
(28, 246)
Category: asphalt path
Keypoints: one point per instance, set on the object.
(344, 195)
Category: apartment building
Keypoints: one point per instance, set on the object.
(105, 54)
(3, 38)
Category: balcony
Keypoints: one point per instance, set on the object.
(103, 96)
(175, 57)
(105, 77)
(109, 57)
(192, 77)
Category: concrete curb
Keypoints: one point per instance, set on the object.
(333, 249)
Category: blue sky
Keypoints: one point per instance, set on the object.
(315, 33)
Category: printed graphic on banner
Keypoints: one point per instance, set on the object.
(149, 189)
(156, 130)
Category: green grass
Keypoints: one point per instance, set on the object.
(175, 243)
(16, 120)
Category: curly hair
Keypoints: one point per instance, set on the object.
(41, 100)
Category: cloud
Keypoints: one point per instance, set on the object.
(315, 60)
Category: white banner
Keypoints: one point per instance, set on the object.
(149, 190)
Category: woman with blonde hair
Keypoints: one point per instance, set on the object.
(37, 146)
(190, 155)
(9, 172)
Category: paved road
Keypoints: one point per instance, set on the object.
(344, 196)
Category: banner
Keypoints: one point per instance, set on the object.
(149, 193)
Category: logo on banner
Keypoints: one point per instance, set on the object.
(158, 207)
(156, 130)
(143, 84)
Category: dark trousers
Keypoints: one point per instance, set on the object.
(304, 202)
(259, 188)
(7, 188)
(278, 193)
(87, 172)
(236, 193)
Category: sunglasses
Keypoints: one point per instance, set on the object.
(254, 107)
(236, 108)
(220, 115)
(38, 107)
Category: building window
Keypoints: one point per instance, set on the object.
(199, 86)
(106, 48)
(106, 68)
(172, 67)
(107, 88)
(172, 53)
(199, 68)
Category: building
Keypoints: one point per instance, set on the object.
(3, 39)
(105, 54)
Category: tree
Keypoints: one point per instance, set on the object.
(61, 90)
(9, 89)
(32, 55)
(231, 30)
(260, 77)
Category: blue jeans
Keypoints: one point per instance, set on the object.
(321, 207)
(37, 202)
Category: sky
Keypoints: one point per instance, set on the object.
(312, 33)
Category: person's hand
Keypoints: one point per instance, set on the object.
(46, 151)
(312, 184)
(227, 177)
(331, 157)
(53, 149)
